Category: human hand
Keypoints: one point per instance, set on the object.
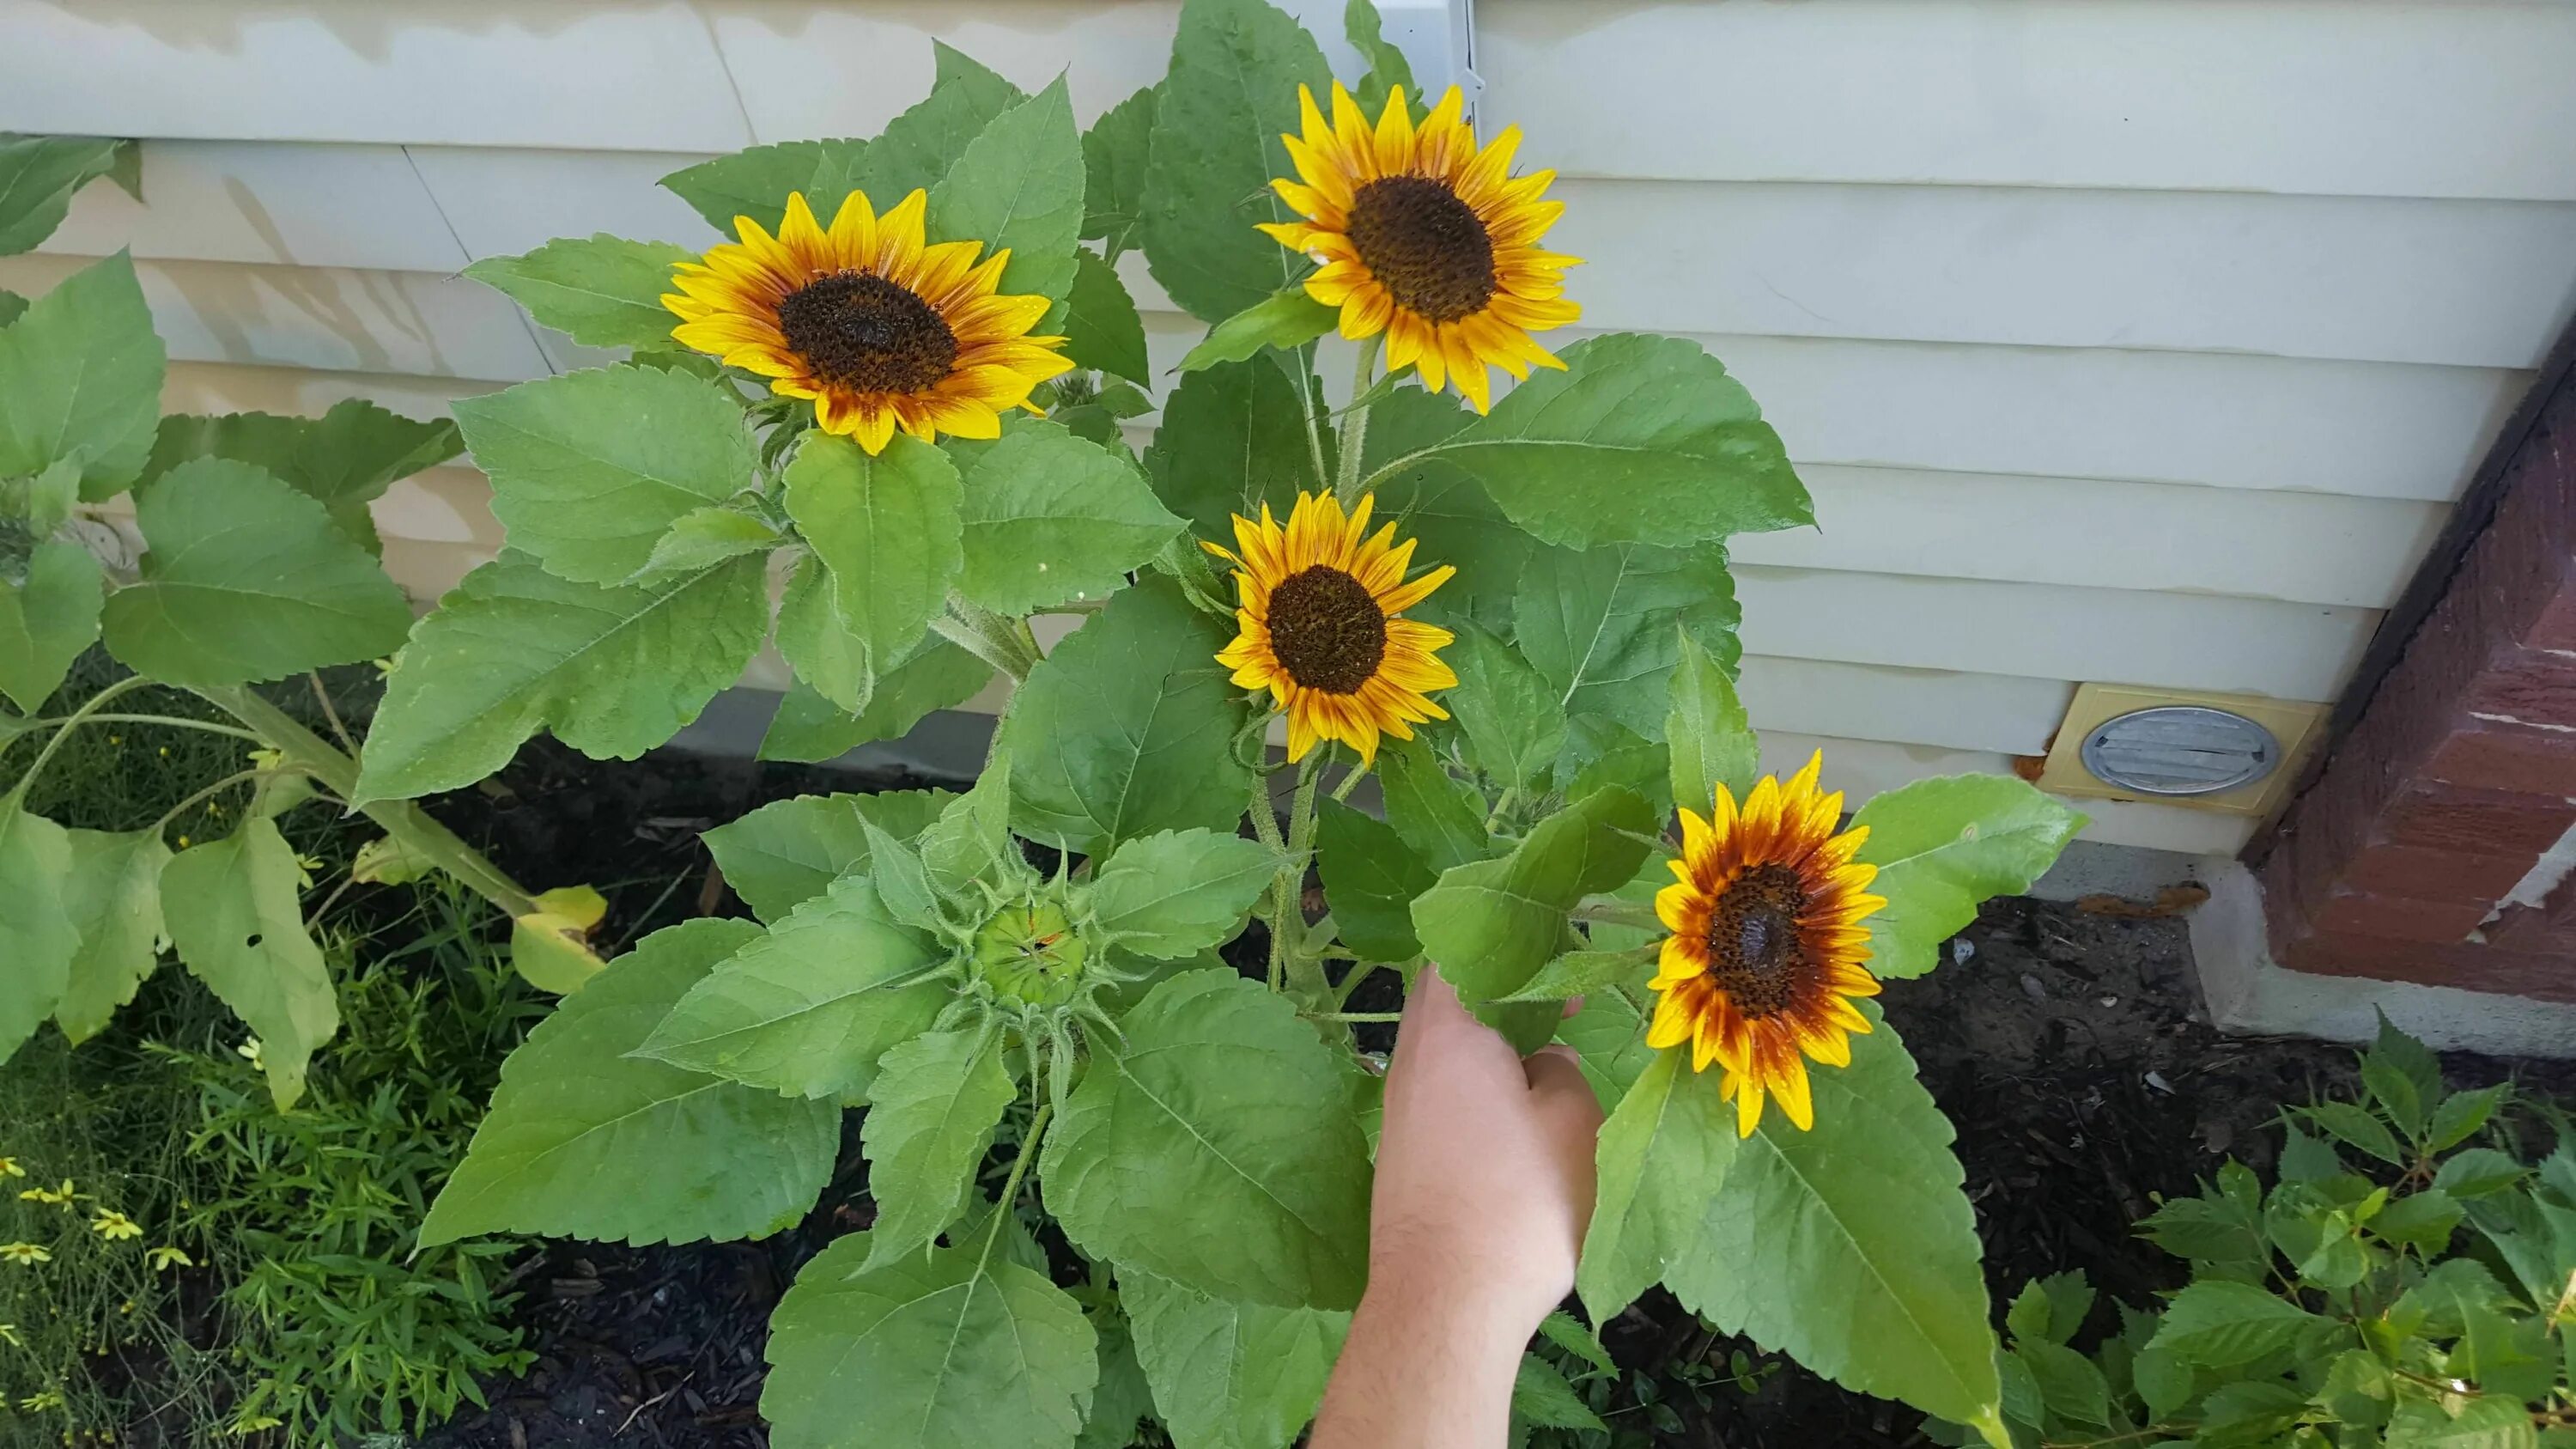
(1485, 1165)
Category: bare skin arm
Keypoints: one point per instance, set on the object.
(1484, 1187)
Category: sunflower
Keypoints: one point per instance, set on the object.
(1767, 943)
(1320, 629)
(1427, 239)
(874, 326)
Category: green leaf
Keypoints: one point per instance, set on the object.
(2486, 1422)
(1128, 728)
(925, 143)
(1601, 754)
(80, 376)
(1541, 1395)
(1227, 1374)
(2477, 1172)
(937, 1099)
(808, 1008)
(903, 887)
(2164, 1381)
(937, 675)
(755, 182)
(1711, 737)
(1123, 1396)
(1492, 924)
(1286, 319)
(1640, 440)
(113, 897)
(584, 1139)
(2354, 1126)
(612, 671)
(1433, 812)
(1180, 892)
(12, 307)
(1944, 845)
(971, 839)
(1387, 67)
(2069, 1383)
(1513, 717)
(2404, 1075)
(1216, 1146)
(590, 469)
(2422, 1220)
(958, 1349)
(887, 528)
(2215, 1323)
(602, 292)
(704, 537)
(1220, 113)
(1851, 1247)
(1232, 439)
(1571, 1334)
(1049, 517)
(1019, 188)
(1580, 973)
(39, 174)
(1609, 1040)
(2461, 1114)
(236, 916)
(789, 851)
(1443, 507)
(1370, 878)
(47, 621)
(37, 935)
(1663, 1155)
(247, 579)
(1115, 152)
(1600, 625)
(343, 460)
(1101, 328)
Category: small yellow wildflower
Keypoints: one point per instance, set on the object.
(116, 739)
(165, 1258)
(9, 1168)
(10, 1336)
(250, 1424)
(307, 867)
(114, 1226)
(215, 808)
(183, 842)
(25, 1255)
(38, 1403)
(165, 752)
(255, 1054)
(264, 758)
(50, 1196)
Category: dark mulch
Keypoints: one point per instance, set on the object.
(2066, 1045)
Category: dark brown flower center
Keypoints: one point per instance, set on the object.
(1326, 630)
(863, 333)
(1424, 246)
(1755, 951)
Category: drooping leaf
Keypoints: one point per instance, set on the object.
(1492, 924)
(1662, 1157)
(1944, 845)
(1600, 625)
(960, 1349)
(235, 913)
(1851, 1247)
(39, 174)
(1228, 1374)
(1114, 155)
(585, 1140)
(1180, 892)
(789, 851)
(1287, 318)
(37, 934)
(937, 675)
(1019, 188)
(1128, 728)
(47, 621)
(808, 1008)
(1218, 118)
(1216, 1146)
(1370, 879)
(80, 376)
(343, 460)
(929, 1122)
(1050, 518)
(550, 946)
(1514, 717)
(113, 897)
(1433, 812)
(591, 468)
(246, 579)
(1640, 440)
(1711, 739)
(887, 529)
(1233, 438)
(513, 649)
(1102, 330)
(602, 291)
(818, 637)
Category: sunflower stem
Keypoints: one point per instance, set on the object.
(1510, 796)
(1355, 424)
(1350, 782)
(1019, 1172)
(1306, 409)
(1359, 1016)
(75, 719)
(1606, 911)
(1002, 642)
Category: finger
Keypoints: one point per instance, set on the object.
(1573, 1004)
(1554, 1071)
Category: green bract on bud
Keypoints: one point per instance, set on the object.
(1030, 954)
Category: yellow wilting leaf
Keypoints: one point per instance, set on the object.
(550, 945)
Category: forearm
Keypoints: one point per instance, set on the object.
(1425, 1368)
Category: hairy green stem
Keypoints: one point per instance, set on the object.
(1358, 1016)
(238, 777)
(1350, 782)
(1355, 425)
(1510, 796)
(404, 820)
(92, 707)
(1011, 1188)
(1306, 409)
(1611, 911)
(166, 721)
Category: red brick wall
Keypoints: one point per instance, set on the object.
(2459, 770)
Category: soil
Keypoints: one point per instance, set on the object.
(2064, 1041)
